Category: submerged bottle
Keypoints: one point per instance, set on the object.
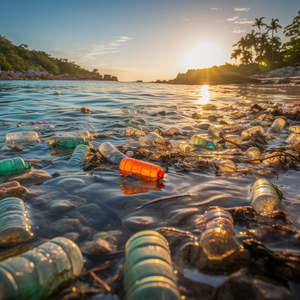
(183, 146)
(43, 126)
(148, 271)
(277, 125)
(84, 134)
(264, 197)
(67, 141)
(253, 153)
(141, 168)
(258, 123)
(136, 122)
(233, 138)
(10, 166)
(38, 273)
(293, 138)
(14, 221)
(111, 153)
(154, 128)
(215, 131)
(133, 131)
(199, 141)
(295, 129)
(79, 155)
(21, 137)
(151, 140)
(247, 133)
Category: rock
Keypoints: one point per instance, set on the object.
(12, 189)
(203, 126)
(113, 237)
(60, 227)
(32, 194)
(138, 223)
(162, 113)
(8, 185)
(181, 216)
(284, 81)
(98, 247)
(71, 183)
(32, 177)
(62, 206)
(84, 231)
(40, 201)
(73, 236)
(256, 106)
(196, 116)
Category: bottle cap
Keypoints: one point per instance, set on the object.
(129, 153)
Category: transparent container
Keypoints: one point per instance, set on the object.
(253, 153)
(84, 134)
(142, 121)
(10, 166)
(151, 140)
(22, 137)
(14, 221)
(258, 123)
(202, 142)
(136, 122)
(224, 166)
(40, 272)
(277, 125)
(133, 131)
(295, 129)
(293, 138)
(264, 198)
(148, 271)
(43, 127)
(153, 128)
(276, 159)
(247, 133)
(79, 155)
(183, 146)
(172, 130)
(215, 131)
(111, 153)
(67, 141)
(233, 138)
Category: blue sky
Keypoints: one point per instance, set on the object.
(134, 40)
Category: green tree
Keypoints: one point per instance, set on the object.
(235, 54)
(273, 26)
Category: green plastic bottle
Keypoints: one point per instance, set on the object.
(148, 271)
(138, 121)
(258, 123)
(154, 128)
(38, 273)
(14, 165)
(199, 141)
(67, 141)
(14, 221)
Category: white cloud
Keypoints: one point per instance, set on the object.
(238, 30)
(241, 9)
(233, 18)
(244, 21)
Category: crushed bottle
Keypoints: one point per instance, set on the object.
(133, 131)
(232, 138)
(247, 133)
(151, 140)
(79, 155)
(153, 128)
(14, 222)
(148, 271)
(111, 153)
(67, 141)
(40, 272)
(294, 129)
(226, 166)
(215, 131)
(199, 141)
(10, 166)
(293, 138)
(183, 146)
(43, 127)
(22, 137)
(277, 125)
(253, 153)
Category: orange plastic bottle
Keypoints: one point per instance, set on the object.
(130, 165)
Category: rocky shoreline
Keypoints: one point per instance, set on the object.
(36, 74)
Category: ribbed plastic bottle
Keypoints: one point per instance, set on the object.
(10, 166)
(258, 123)
(247, 133)
(38, 273)
(264, 198)
(183, 146)
(67, 141)
(43, 127)
(133, 131)
(141, 168)
(199, 141)
(277, 125)
(253, 153)
(84, 134)
(151, 140)
(148, 271)
(79, 155)
(14, 221)
(295, 129)
(154, 128)
(217, 243)
(293, 138)
(233, 138)
(22, 137)
(215, 131)
(111, 153)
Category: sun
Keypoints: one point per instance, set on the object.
(205, 55)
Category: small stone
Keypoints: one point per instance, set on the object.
(113, 237)
(203, 126)
(13, 192)
(73, 236)
(60, 227)
(32, 177)
(40, 201)
(62, 206)
(138, 223)
(71, 183)
(98, 247)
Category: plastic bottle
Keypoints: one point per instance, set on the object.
(293, 138)
(133, 131)
(141, 168)
(148, 271)
(136, 122)
(258, 123)
(295, 129)
(43, 126)
(215, 131)
(202, 142)
(43, 122)
(172, 130)
(183, 146)
(218, 245)
(277, 125)
(253, 153)
(247, 133)
(224, 165)
(10, 166)
(84, 134)
(126, 111)
(79, 155)
(151, 140)
(67, 141)
(264, 198)
(111, 153)
(154, 128)
(14, 221)
(38, 273)
(233, 138)
(21, 137)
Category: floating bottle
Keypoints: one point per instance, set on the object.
(183, 146)
(148, 271)
(43, 122)
(293, 138)
(258, 123)
(247, 133)
(232, 138)
(67, 141)
(151, 140)
(264, 197)
(224, 166)
(199, 141)
(277, 125)
(153, 128)
(38, 273)
(21, 137)
(84, 134)
(217, 244)
(136, 122)
(14, 222)
(79, 155)
(111, 153)
(215, 131)
(10, 166)
(133, 131)
(43, 127)
(295, 129)
(172, 130)
(253, 153)
(141, 168)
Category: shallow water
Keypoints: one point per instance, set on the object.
(116, 201)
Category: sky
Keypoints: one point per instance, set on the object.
(139, 39)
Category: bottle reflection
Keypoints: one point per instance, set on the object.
(141, 187)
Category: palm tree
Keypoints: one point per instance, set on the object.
(252, 42)
(259, 23)
(235, 54)
(273, 26)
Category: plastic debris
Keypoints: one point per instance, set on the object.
(253, 153)
(67, 141)
(133, 131)
(202, 142)
(247, 133)
(277, 125)
(79, 155)
(21, 137)
(43, 127)
(111, 153)
(14, 165)
(214, 131)
(151, 140)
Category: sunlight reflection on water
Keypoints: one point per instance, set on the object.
(204, 94)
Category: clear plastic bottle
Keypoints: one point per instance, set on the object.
(218, 245)
(79, 155)
(84, 134)
(14, 221)
(67, 141)
(226, 166)
(172, 130)
(10, 166)
(247, 133)
(264, 198)
(153, 128)
(43, 127)
(183, 146)
(111, 153)
(295, 129)
(21, 137)
(151, 140)
(258, 123)
(215, 131)
(38, 273)
(293, 138)
(253, 153)
(277, 125)
(136, 122)
(233, 138)
(199, 141)
(133, 131)
(148, 271)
